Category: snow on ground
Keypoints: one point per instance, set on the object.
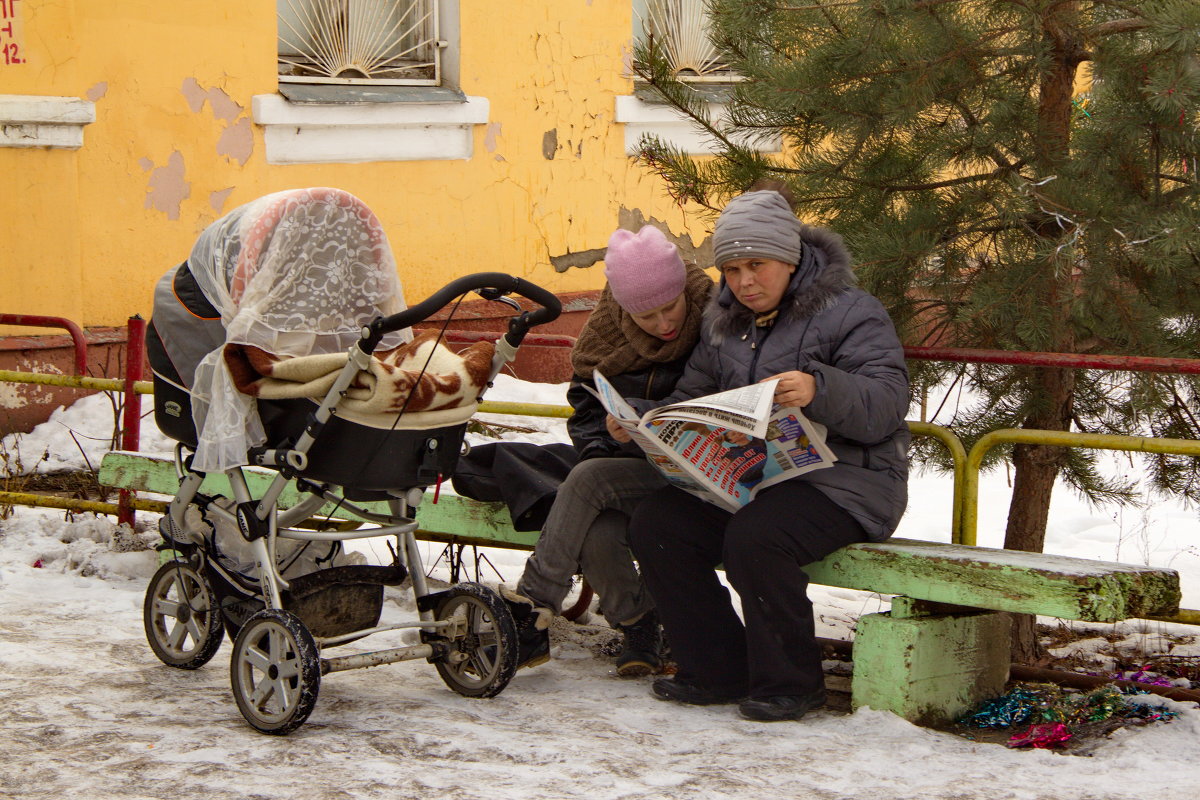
(88, 710)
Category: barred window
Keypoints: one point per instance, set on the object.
(681, 28)
(382, 42)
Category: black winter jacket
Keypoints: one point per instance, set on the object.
(842, 336)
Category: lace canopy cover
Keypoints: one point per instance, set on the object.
(295, 273)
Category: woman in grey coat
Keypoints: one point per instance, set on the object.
(787, 308)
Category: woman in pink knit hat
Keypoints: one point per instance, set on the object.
(639, 336)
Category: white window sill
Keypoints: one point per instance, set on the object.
(39, 121)
(304, 133)
(663, 121)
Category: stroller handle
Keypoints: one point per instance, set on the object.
(492, 285)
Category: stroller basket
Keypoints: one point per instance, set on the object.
(332, 601)
(338, 600)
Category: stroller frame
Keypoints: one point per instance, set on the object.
(280, 630)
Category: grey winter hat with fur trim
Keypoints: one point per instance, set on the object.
(757, 224)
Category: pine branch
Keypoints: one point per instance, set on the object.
(925, 187)
(823, 6)
(973, 122)
(651, 65)
(1115, 26)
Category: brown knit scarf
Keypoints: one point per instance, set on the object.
(613, 343)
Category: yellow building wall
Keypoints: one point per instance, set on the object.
(85, 233)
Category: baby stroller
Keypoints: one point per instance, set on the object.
(295, 295)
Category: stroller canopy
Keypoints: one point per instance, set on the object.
(295, 273)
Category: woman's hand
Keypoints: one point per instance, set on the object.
(615, 430)
(795, 388)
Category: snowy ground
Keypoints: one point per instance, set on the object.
(89, 710)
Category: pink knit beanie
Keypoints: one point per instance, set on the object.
(644, 270)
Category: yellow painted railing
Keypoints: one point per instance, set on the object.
(959, 454)
(1098, 441)
(75, 381)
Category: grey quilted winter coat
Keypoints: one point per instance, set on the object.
(843, 337)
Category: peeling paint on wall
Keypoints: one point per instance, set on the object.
(223, 106)
(489, 140)
(145, 164)
(632, 219)
(194, 94)
(582, 259)
(167, 189)
(237, 141)
(550, 143)
(218, 199)
(11, 396)
(98, 91)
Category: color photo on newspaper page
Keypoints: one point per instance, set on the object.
(724, 447)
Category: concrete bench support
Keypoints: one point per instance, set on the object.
(929, 668)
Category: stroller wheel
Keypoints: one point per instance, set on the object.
(483, 643)
(275, 672)
(183, 623)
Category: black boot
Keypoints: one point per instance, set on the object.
(642, 651)
(533, 628)
(781, 707)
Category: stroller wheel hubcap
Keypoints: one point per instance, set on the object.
(275, 671)
(182, 625)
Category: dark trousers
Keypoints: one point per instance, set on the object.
(679, 540)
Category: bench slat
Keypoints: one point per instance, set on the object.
(1003, 580)
(452, 518)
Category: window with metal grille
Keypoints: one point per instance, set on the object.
(388, 42)
(681, 28)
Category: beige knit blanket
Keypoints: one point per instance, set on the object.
(424, 379)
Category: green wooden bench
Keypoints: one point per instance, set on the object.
(943, 647)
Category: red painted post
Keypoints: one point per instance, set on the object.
(1187, 366)
(131, 422)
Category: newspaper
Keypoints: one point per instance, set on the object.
(724, 447)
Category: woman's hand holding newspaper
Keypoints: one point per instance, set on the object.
(796, 389)
(616, 431)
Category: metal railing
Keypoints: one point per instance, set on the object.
(967, 465)
(37, 321)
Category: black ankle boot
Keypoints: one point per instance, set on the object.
(642, 651)
(533, 628)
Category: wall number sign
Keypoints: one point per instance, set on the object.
(11, 41)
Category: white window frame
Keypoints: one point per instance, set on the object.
(44, 121)
(658, 119)
(348, 40)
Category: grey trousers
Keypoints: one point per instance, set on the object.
(588, 529)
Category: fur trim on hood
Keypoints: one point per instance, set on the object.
(824, 272)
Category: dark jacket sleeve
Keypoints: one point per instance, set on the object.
(865, 391)
(586, 426)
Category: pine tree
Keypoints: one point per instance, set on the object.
(1010, 174)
